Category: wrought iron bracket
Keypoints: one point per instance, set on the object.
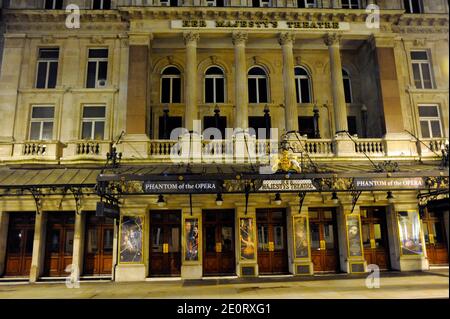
(37, 196)
(77, 195)
(355, 197)
(301, 198)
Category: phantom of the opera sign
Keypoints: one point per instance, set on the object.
(173, 187)
(388, 183)
(259, 25)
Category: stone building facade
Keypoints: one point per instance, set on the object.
(351, 101)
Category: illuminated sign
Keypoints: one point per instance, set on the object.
(259, 25)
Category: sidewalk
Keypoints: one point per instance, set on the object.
(431, 284)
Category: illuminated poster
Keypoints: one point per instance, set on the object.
(354, 236)
(409, 232)
(191, 233)
(131, 239)
(247, 239)
(301, 237)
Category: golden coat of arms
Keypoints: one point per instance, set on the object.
(286, 162)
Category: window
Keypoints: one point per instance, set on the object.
(421, 70)
(215, 3)
(307, 3)
(261, 128)
(352, 126)
(97, 68)
(210, 121)
(302, 85)
(306, 126)
(53, 4)
(260, 3)
(47, 68)
(167, 125)
(93, 126)
(351, 4)
(413, 6)
(214, 85)
(347, 86)
(171, 85)
(101, 4)
(168, 3)
(430, 121)
(257, 85)
(41, 124)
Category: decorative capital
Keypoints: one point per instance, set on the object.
(286, 38)
(191, 37)
(239, 38)
(332, 39)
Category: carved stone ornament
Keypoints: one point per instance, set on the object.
(191, 37)
(239, 38)
(332, 39)
(286, 38)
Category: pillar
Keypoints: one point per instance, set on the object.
(337, 84)
(4, 222)
(246, 242)
(136, 140)
(132, 266)
(351, 250)
(37, 259)
(78, 245)
(240, 82)
(400, 261)
(286, 41)
(191, 268)
(299, 241)
(190, 82)
(9, 84)
(398, 142)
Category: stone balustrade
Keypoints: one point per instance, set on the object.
(217, 151)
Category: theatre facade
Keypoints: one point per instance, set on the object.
(222, 138)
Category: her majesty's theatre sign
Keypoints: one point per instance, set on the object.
(259, 25)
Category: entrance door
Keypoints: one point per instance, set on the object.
(98, 245)
(374, 236)
(324, 244)
(434, 233)
(272, 245)
(19, 247)
(165, 243)
(59, 244)
(218, 242)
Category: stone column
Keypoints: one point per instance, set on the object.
(290, 99)
(246, 267)
(37, 259)
(298, 232)
(398, 142)
(192, 269)
(4, 222)
(350, 260)
(240, 82)
(9, 84)
(337, 84)
(129, 270)
(78, 246)
(398, 260)
(190, 81)
(136, 139)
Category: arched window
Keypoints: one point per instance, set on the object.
(302, 85)
(171, 85)
(214, 85)
(347, 86)
(257, 85)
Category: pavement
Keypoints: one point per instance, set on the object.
(403, 285)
